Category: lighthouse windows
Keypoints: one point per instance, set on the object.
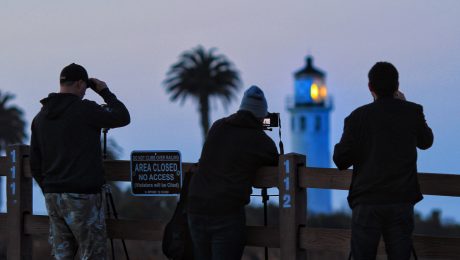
(299, 123)
(318, 123)
(303, 123)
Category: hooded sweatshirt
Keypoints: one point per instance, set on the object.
(234, 149)
(65, 150)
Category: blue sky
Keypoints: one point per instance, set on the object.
(131, 45)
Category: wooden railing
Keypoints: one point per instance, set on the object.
(292, 236)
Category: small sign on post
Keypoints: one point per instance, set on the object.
(156, 173)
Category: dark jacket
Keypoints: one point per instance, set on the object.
(380, 141)
(65, 150)
(235, 148)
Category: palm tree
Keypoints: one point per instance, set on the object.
(12, 124)
(202, 74)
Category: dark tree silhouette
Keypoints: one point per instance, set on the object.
(12, 123)
(202, 74)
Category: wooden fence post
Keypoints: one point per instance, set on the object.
(292, 206)
(19, 203)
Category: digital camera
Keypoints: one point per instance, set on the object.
(271, 120)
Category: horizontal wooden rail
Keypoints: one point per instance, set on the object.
(263, 236)
(327, 178)
(116, 170)
(313, 239)
(338, 240)
(135, 229)
(266, 177)
(437, 247)
(316, 239)
(149, 230)
(324, 178)
(440, 184)
(4, 167)
(128, 229)
(36, 225)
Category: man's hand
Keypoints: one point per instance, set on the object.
(399, 95)
(98, 85)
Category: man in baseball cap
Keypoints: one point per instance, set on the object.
(66, 161)
(73, 72)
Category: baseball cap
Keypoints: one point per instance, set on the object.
(73, 72)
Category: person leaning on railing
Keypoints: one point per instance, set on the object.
(66, 161)
(235, 147)
(380, 141)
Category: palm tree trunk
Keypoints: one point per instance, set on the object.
(204, 113)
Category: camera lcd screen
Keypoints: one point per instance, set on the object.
(267, 121)
(272, 120)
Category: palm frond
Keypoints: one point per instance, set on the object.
(12, 123)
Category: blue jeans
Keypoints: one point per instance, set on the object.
(395, 222)
(218, 237)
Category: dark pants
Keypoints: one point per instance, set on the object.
(218, 237)
(395, 222)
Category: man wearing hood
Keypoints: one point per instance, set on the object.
(235, 147)
(65, 159)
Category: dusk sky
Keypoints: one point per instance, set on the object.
(131, 44)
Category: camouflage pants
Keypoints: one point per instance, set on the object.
(77, 223)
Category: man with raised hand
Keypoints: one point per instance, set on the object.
(66, 161)
(380, 141)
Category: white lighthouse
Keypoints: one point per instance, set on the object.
(310, 110)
